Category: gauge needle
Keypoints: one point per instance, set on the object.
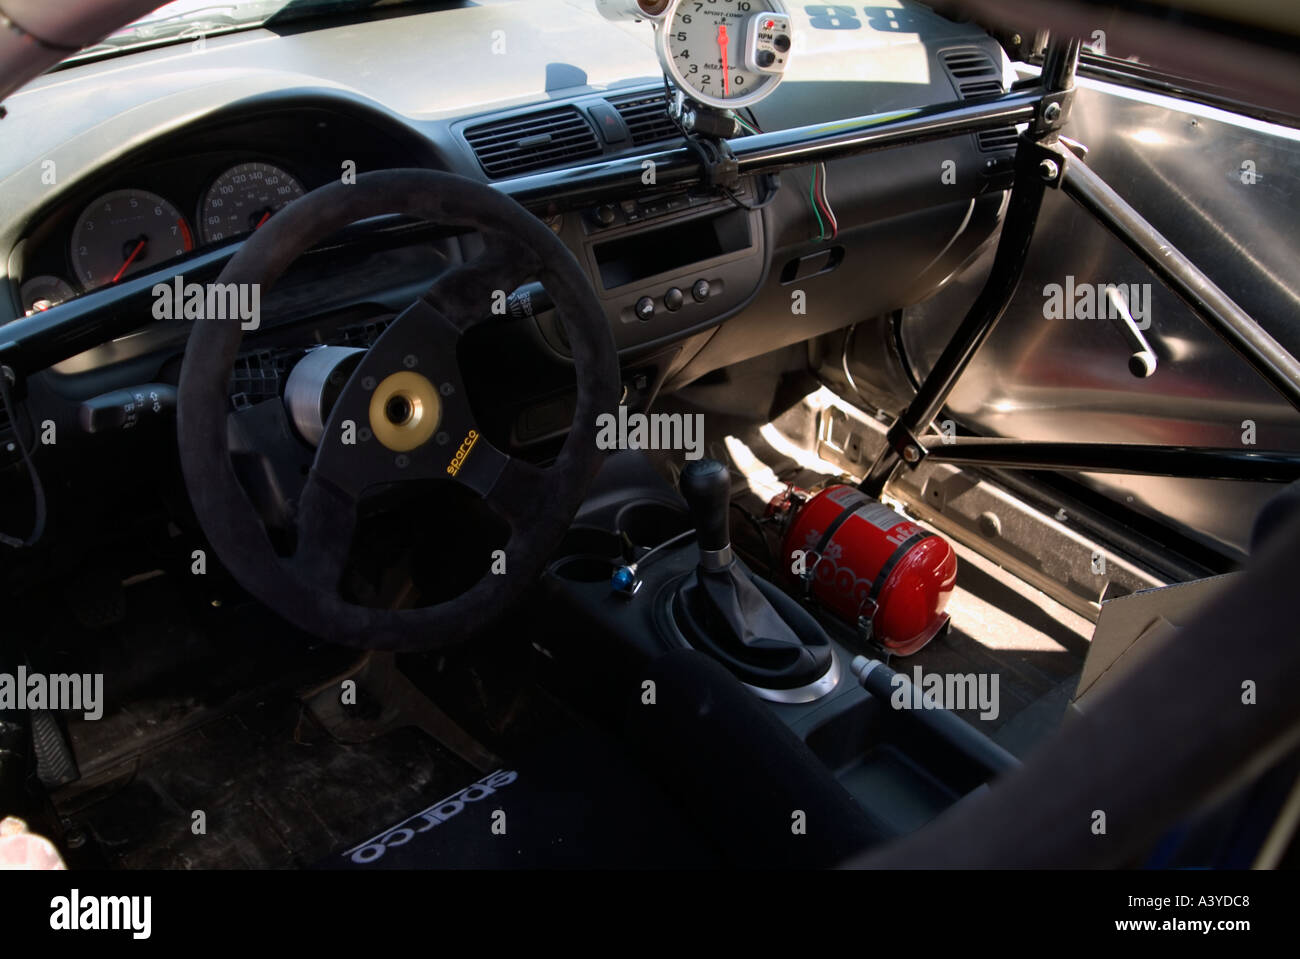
(140, 244)
(265, 216)
(722, 45)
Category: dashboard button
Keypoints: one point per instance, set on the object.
(611, 126)
(674, 299)
(700, 290)
(606, 214)
(645, 308)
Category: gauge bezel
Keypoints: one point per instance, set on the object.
(663, 31)
(25, 285)
(87, 286)
(202, 202)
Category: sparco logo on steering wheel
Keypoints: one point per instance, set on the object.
(462, 454)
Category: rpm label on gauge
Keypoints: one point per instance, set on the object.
(243, 198)
(122, 233)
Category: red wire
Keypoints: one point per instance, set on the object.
(824, 205)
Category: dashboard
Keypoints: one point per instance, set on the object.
(164, 162)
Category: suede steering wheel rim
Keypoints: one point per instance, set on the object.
(419, 346)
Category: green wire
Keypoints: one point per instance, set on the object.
(812, 198)
(812, 189)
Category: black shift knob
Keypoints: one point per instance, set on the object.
(706, 486)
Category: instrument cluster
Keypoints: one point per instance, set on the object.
(139, 225)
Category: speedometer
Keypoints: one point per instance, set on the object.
(243, 198)
(725, 53)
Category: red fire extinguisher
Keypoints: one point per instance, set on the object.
(871, 567)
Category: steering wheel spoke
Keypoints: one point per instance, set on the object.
(327, 519)
(518, 493)
(475, 291)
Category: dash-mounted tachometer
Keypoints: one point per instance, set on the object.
(725, 53)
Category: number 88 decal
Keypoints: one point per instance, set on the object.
(839, 16)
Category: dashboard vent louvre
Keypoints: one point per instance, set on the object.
(531, 142)
(975, 74)
(646, 116)
(993, 141)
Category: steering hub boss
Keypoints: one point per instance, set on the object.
(405, 411)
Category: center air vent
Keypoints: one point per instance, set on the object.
(646, 116)
(531, 142)
(975, 74)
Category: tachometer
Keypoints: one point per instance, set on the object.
(243, 198)
(122, 233)
(725, 53)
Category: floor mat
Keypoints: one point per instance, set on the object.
(576, 803)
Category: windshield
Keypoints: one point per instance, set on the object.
(196, 19)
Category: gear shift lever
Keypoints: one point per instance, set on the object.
(706, 485)
(725, 611)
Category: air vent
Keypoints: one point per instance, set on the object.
(975, 74)
(646, 116)
(994, 141)
(531, 142)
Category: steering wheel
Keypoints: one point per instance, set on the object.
(403, 415)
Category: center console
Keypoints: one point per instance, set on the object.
(687, 590)
(666, 265)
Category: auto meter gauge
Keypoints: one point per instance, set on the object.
(42, 292)
(725, 53)
(243, 198)
(122, 233)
